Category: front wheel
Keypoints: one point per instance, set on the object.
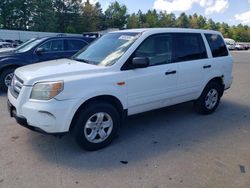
(209, 99)
(96, 125)
(6, 78)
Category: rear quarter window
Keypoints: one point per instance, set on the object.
(217, 45)
(75, 44)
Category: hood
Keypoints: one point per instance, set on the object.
(54, 70)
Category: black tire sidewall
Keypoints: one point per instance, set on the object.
(6, 72)
(200, 105)
(81, 119)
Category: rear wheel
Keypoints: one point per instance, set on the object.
(209, 99)
(96, 125)
(6, 78)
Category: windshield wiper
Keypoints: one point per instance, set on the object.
(85, 61)
(82, 60)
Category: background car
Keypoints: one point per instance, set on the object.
(13, 43)
(231, 46)
(239, 47)
(5, 45)
(38, 50)
(8, 49)
(246, 46)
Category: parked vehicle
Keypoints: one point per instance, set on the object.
(5, 45)
(121, 74)
(12, 43)
(230, 43)
(239, 47)
(231, 46)
(19, 42)
(9, 49)
(38, 50)
(245, 46)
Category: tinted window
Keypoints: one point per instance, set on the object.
(217, 45)
(157, 48)
(189, 46)
(76, 44)
(53, 46)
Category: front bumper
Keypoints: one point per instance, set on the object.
(12, 111)
(21, 120)
(50, 117)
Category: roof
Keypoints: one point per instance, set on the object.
(88, 39)
(160, 30)
(62, 37)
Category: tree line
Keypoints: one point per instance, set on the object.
(75, 16)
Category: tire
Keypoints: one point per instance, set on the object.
(93, 134)
(6, 75)
(209, 99)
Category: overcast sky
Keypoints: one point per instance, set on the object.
(230, 11)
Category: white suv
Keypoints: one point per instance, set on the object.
(121, 74)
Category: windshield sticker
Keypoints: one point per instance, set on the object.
(126, 37)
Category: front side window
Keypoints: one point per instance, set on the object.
(53, 46)
(157, 48)
(217, 45)
(189, 46)
(106, 50)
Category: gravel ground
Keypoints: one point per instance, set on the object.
(171, 147)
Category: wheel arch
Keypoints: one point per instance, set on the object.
(219, 80)
(101, 98)
(8, 66)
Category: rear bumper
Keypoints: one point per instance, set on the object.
(228, 82)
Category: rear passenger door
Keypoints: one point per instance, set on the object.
(192, 58)
(73, 46)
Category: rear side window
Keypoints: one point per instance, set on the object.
(189, 46)
(75, 44)
(217, 45)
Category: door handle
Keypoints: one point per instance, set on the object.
(170, 72)
(207, 66)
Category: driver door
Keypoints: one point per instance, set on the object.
(155, 86)
(52, 49)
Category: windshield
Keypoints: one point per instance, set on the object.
(25, 43)
(107, 50)
(28, 45)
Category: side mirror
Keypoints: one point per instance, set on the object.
(39, 51)
(140, 62)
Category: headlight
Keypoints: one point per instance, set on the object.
(46, 90)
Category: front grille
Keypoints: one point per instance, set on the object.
(16, 86)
